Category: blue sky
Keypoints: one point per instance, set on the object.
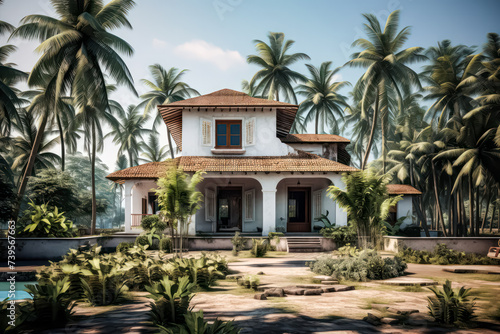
(212, 38)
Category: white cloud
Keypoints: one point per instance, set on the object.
(204, 51)
(159, 44)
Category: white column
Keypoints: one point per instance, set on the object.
(269, 210)
(192, 225)
(340, 214)
(128, 205)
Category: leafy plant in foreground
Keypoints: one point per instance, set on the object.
(451, 307)
(46, 222)
(195, 323)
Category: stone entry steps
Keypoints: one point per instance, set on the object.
(303, 244)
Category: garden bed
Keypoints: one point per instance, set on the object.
(478, 245)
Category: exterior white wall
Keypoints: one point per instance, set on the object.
(309, 147)
(266, 142)
(405, 208)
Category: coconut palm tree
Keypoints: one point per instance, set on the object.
(166, 88)
(23, 143)
(75, 47)
(250, 88)
(152, 152)
(9, 76)
(444, 77)
(323, 104)
(386, 71)
(128, 132)
(276, 77)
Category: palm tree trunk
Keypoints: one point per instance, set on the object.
(61, 135)
(438, 204)
(92, 161)
(384, 151)
(372, 131)
(317, 122)
(486, 213)
(130, 162)
(471, 207)
(493, 218)
(170, 146)
(478, 212)
(29, 166)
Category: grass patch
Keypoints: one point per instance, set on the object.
(414, 288)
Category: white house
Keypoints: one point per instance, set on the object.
(259, 177)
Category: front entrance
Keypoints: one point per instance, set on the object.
(229, 212)
(299, 210)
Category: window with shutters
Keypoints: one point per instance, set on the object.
(317, 198)
(206, 132)
(228, 134)
(209, 205)
(250, 205)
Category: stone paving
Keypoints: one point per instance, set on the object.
(332, 312)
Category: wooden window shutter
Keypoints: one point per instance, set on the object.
(250, 131)
(209, 205)
(206, 132)
(317, 207)
(250, 205)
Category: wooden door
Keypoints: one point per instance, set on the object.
(229, 209)
(299, 210)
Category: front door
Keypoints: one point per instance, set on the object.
(299, 210)
(229, 213)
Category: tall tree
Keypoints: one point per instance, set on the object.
(276, 75)
(152, 151)
(166, 88)
(323, 104)
(127, 133)
(386, 71)
(75, 48)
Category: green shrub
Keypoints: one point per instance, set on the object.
(203, 271)
(194, 322)
(259, 247)
(249, 282)
(342, 235)
(170, 300)
(347, 250)
(153, 221)
(367, 265)
(142, 240)
(451, 307)
(442, 255)
(166, 244)
(238, 243)
(124, 246)
(43, 221)
(51, 301)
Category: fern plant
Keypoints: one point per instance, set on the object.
(195, 323)
(259, 247)
(51, 301)
(170, 300)
(103, 282)
(451, 307)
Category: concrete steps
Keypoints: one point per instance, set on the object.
(303, 244)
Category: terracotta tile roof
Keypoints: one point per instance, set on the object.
(314, 138)
(402, 189)
(226, 100)
(302, 162)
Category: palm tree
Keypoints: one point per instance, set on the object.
(323, 102)
(444, 75)
(121, 163)
(22, 145)
(387, 71)
(9, 76)
(74, 47)
(250, 88)
(166, 88)
(276, 75)
(152, 152)
(128, 132)
(178, 199)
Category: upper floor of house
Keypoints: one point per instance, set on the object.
(231, 123)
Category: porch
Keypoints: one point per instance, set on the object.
(253, 204)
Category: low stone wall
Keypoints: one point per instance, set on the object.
(45, 248)
(478, 245)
